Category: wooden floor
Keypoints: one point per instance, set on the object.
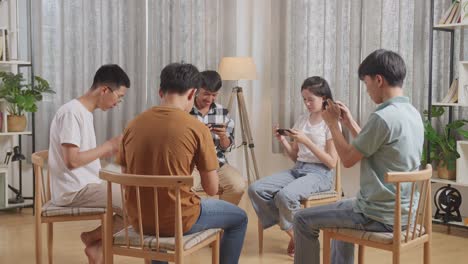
(17, 243)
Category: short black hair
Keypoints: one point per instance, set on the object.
(318, 86)
(179, 78)
(387, 63)
(211, 81)
(111, 75)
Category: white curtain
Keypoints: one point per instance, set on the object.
(330, 39)
(72, 39)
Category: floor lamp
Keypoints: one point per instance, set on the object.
(235, 69)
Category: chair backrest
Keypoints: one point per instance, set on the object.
(419, 222)
(151, 181)
(42, 187)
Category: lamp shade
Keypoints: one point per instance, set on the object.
(237, 68)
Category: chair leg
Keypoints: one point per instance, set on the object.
(427, 252)
(107, 258)
(326, 247)
(215, 250)
(50, 241)
(396, 257)
(260, 237)
(38, 240)
(361, 254)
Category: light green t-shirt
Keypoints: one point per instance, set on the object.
(392, 140)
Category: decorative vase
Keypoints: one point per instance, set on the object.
(444, 173)
(16, 123)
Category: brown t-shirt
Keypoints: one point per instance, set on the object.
(165, 141)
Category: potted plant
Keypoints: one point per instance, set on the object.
(21, 97)
(443, 144)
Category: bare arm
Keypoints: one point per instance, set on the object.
(291, 148)
(73, 158)
(347, 119)
(349, 155)
(210, 182)
(328, 156)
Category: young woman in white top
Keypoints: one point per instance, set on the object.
(277, 197)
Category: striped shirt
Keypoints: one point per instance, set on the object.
(217, 114)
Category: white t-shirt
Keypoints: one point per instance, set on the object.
(318, 133)
(72, 124)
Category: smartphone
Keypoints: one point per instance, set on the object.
(325, 104)
(214, 125)
(283, 131)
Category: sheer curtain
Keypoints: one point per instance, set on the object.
(73, 38)
(331, 38)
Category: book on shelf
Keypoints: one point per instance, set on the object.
(464, 12)
(3, 44)
(452, 15)
(452, 94)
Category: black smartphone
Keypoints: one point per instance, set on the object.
(282, 131)
(214, 125)
(324, 104)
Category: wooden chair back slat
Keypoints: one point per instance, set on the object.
(140, 220)
(125, 216)
(156, 217)
(408, 223)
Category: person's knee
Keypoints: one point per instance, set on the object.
(302, 222)
(285, 199)
(238, 186)
(299, 221)
(234, 183)
(241, 217)
(253, 190)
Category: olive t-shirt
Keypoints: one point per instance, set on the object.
(165, 141)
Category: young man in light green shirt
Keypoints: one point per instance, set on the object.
(391, 140)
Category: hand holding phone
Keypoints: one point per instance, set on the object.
(214, 125)
(283, 131)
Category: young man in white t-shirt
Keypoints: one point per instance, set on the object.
(74, 156)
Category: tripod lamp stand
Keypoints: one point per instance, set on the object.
(235, 69)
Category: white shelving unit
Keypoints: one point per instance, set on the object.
(450, 26)
(463, 82)
(462, 146)
(15, 19)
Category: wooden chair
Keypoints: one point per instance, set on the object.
(129, 242)
(47, 213)
(419, 223)
(315, 199)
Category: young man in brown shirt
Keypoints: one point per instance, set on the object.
(166, 140)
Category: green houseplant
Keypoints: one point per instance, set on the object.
(443, 144)
(21, 97)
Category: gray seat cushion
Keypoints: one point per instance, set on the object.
(380, 237)
(50, 209)
(165, 243)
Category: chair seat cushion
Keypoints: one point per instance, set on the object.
(321, 195)
(379, 237)
(166, 243)
(50, 209)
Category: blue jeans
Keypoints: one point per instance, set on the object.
(233, 220)
(276, 198)
(307, 224)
